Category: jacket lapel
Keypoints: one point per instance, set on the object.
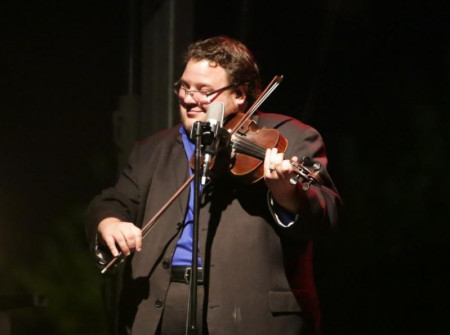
(181, 174)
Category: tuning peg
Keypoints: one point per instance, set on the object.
(306, 185)
(294, 180)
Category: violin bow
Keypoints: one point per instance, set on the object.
(258, 102)
(149, 225)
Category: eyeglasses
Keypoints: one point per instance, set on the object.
(202, 97)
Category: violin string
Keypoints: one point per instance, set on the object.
(246, 149)
(246, 146)
(254, 147)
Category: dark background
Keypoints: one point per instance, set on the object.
(371, 76)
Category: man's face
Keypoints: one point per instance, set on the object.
(205, 76)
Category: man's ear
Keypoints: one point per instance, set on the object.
(241, 95)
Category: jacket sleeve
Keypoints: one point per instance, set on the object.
(120, 201)
(323, 199)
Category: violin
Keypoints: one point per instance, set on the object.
(249, 144)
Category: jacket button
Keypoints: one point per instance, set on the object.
(159, 303)
(166, 264)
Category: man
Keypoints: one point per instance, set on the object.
(255, 242)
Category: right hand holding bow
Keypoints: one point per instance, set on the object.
(114, 232)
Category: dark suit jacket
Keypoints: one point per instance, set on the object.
(259, 274)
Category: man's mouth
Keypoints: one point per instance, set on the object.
(194, 111)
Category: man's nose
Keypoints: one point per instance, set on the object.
(189, 98)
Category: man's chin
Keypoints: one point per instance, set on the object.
(189, 122)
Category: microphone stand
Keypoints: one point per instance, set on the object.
(191, 327)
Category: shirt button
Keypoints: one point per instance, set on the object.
(166, 264)
(159, 303)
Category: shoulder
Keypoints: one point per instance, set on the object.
(302, 138)
(153, 146)
(161, 139)
(283, 123)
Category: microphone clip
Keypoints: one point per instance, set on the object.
(208, 133)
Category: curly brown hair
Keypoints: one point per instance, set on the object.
(234, 57)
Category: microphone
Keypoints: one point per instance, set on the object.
(214, 117)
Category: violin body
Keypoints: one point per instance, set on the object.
(249, 144)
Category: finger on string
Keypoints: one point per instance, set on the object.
(267, 161)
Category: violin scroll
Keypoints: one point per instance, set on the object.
(307, 175)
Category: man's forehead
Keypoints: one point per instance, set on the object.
(210, 62)
(204, 72)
